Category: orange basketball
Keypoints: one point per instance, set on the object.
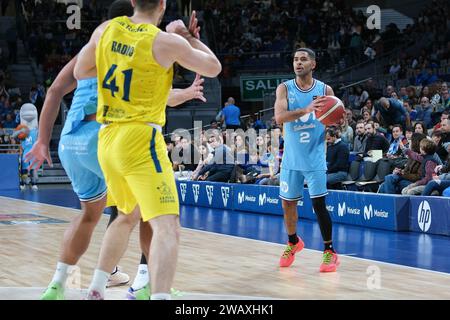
(332, 112)
(24, 131)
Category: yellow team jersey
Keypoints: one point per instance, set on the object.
(132, 86)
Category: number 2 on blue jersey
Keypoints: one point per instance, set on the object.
(128, 74)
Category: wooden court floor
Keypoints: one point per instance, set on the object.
(210, 266)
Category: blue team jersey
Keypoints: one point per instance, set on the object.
(84, 103)
(304, 146)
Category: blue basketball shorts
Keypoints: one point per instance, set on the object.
(292, 182)
(78, 155)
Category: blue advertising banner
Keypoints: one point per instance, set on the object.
(430, 215)
(388, 212)
(255, 198)
(9, 174)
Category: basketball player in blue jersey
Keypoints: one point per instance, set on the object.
(78, 154)
(304, 157)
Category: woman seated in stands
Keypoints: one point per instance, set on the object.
(403, 177)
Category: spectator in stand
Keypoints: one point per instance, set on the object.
(361, 97)
(412, 112)
(445, 99)
(346, 134)
(239, 151)
(437, 137)
(270, 166)
(349, 115)
(424, 112)
(403, 94)
(419, 127)
(425, 92)
(9, 122)
(397, 137)
(366, 116)
(205, 158)
(369, 106)
(428, 159)
(389, 90)
(219, 169)
(440, 182)
(392, 112)
(442, 151)
(412, 95)
(403, 177)
(379, 130)
(231, 115)
(444, 116)
(337, 157)
(409, 131)
(374, 141)
(359, 144)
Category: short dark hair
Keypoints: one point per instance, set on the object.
(415, 141)
(333, 131)
(310, 52)
(447, 112)
(397, 126)
(428, 146)
(437, 133)
(409, 128)
(146, 5)
(120, 8)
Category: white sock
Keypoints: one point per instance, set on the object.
(99, 282)
(61, 273)
(142, 277)
(161, 296)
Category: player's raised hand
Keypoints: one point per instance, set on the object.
(316, 104)
(178, 27)
(196, 89)
(194, 29)
(38, 154)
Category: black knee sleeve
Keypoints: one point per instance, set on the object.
(323, 218)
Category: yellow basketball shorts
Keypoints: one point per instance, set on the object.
(137, 169)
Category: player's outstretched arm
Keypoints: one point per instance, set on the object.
(195, 91)
(282, 114)
(181, 46)
(63, 84)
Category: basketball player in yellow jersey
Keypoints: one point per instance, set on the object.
(133, 61)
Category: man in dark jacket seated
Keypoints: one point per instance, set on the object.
(337, 157)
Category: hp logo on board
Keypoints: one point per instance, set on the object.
(424, 216)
